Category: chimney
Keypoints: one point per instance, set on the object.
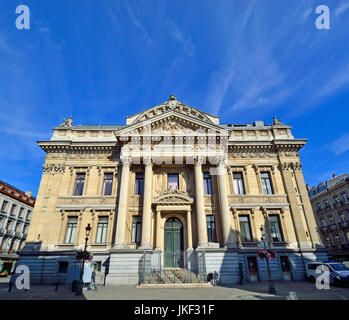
(29, 193)
(308, 187)
(334, 175)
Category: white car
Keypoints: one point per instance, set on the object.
(339, 273)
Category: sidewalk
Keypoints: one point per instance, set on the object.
(248, 291)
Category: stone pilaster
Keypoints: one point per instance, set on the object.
(122, 209)
(200, 205)
(299, 227)
(147, 200)
(308, 210)
(228, 237)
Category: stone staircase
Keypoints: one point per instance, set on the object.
(173, 276)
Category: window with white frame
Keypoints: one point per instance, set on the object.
(108, 184)
(275, 228)
(266, 183)
(79, 184)
(136, 229)
(238, 183)
(71, 230)
(102, 229)
(13, 209)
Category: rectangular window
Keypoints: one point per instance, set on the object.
(207, 183)
(266, 183)
(25, 229)
(28, 215)
(79, 184)
(108, 184)
(13, 209)
(102, 229)
(21, 212)
(173, 181)
(238, 183)
(71, 230)
(330, 220)
(136, 229)
(211, 229)
(323, 223)
(4, 206)
(275, 228)
(139, 183)
(245, 228)
(337, 241)
(328, 241)
(63, 266)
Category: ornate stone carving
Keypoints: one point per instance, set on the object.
(285, 166)
(276, 122)
(175, 196)
(54, 168)
(67, 123)
(126, 161)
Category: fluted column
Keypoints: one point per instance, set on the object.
(146, 220)
(123, 199)
(228, 237)
(200, 205)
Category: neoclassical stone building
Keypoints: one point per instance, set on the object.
(178, 185)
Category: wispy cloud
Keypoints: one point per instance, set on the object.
(137, 21)
(185, 42)
(344, 6)
(341, 145)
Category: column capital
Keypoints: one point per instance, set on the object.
(126, 161)
(198, 161)
(147, 161)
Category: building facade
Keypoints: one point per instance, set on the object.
(16, 208)
(175, 188)
(330, 201)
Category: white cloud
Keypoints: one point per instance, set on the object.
(186, 42)
(341, 145)
(344, 6)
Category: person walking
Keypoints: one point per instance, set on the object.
(93, 279)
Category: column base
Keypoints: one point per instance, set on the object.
(229, 245)
(146, 246)
(202, 245)
(120, 246)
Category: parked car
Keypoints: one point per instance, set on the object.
(339, 273)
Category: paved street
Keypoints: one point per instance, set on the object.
(250, 291)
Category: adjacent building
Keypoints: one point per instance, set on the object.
(330, 201)
(16, 208)
(172, 188)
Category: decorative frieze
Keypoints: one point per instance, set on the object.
(54, 168)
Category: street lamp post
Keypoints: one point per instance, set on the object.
(271, 286)
(81, 283)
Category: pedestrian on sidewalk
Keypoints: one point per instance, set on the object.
(93, 279)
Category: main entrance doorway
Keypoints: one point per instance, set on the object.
(174, 255)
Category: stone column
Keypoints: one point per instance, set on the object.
(308, 210)
(123, 200)
(200, 206)
(228, 237)
(189, 233)
(147, 199)
(294, 205)
(158, 230)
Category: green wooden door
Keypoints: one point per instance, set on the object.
(173, 243)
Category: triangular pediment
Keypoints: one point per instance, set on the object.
(171, 122)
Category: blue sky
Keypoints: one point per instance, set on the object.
(244, 60)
